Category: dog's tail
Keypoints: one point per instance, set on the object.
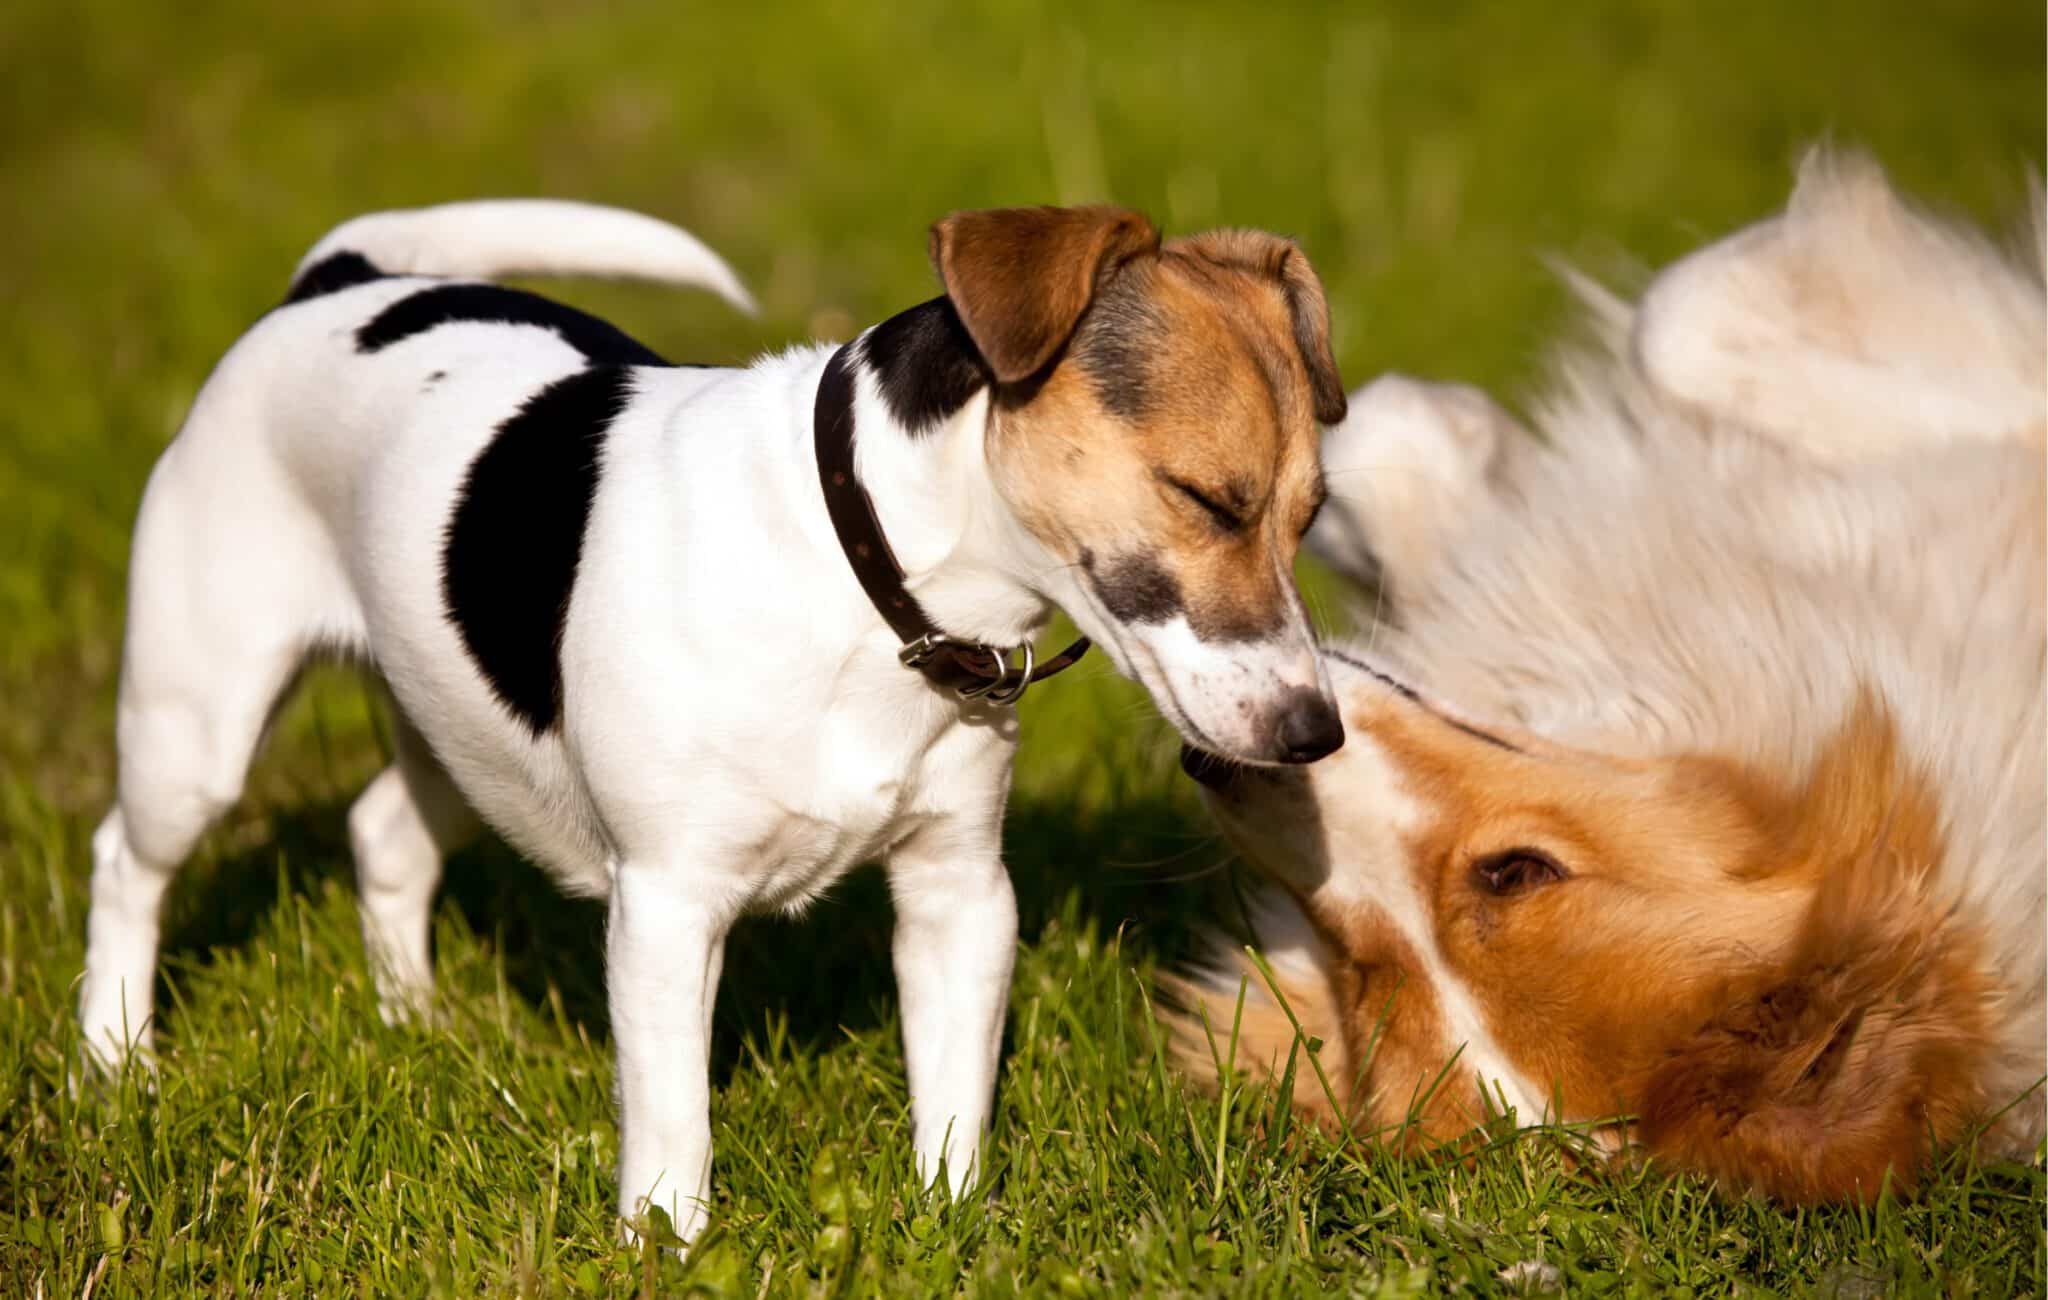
(485, 239)
(1224, 1015)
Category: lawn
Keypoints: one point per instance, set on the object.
(165, 166)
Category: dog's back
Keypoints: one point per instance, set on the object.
(252, 551)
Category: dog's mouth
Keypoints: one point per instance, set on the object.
(1212, 771)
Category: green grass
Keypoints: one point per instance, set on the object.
(164, 167)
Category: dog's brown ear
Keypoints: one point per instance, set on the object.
(1311, 313)
(1307, 308)
(1021, 277)
(1835, 1074)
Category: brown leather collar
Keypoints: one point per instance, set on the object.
(969, 669)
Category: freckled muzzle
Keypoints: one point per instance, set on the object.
(1308, 728)
(1236, 679)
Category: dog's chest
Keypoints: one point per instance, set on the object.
(875, 768)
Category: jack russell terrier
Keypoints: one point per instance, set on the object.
(701, 640)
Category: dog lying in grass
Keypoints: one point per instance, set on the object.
(1695, 779)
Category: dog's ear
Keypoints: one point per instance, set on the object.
(1311, 314)
(1308, 309)
(1834, 1074)
(1021, 277)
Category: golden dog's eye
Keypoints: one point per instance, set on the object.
(1517, 870)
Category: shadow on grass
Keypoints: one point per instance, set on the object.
(827, 972)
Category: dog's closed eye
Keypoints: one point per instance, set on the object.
(1226, 517)
(1517, 870)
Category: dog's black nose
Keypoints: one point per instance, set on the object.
(1205, 767)
(1309, 728)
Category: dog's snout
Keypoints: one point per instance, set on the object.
(1205, 767)
(1309, 728)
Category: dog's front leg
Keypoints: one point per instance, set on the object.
(664, 945)
(955, 942)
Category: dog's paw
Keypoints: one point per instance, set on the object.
(1406, 467)
(101, 1065)
(1850, 326)
(651, 1227)
(409, 1004)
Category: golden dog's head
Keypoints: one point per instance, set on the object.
(1739, 959)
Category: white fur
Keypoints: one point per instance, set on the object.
(736, 730)
(1208, 691)
(1851, 324)
(1405, 457)
(489, 239)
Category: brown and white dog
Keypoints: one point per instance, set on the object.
(1698, 776)
(621, 626)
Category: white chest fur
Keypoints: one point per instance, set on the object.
(877, 766)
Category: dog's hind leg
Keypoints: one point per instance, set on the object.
(1852, 326)
(230, 585)
(194, 700)
(406, 821)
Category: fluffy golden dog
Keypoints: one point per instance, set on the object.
(1695, 776)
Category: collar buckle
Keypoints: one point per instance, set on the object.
(995, 678)
(918, 653)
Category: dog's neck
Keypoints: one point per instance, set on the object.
(922, 411)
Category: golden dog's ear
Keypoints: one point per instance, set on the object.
(1021, 277)
(1307, 308)
(1831, 1076)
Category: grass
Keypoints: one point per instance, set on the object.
(166, 165)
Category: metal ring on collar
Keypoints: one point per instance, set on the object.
(1001, 691)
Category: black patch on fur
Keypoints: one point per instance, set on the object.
(925, 364)
(1135, 588)
(1115, 346)
(1410, 694)
(512, 544)
(331, 274)
(1477, 734)
(603, 343)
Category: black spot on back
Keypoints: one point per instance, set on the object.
(514, 539)
(417, 313)
(330, 274)
(925, 363)
(1135, 587)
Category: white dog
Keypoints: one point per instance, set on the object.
(649, 622)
